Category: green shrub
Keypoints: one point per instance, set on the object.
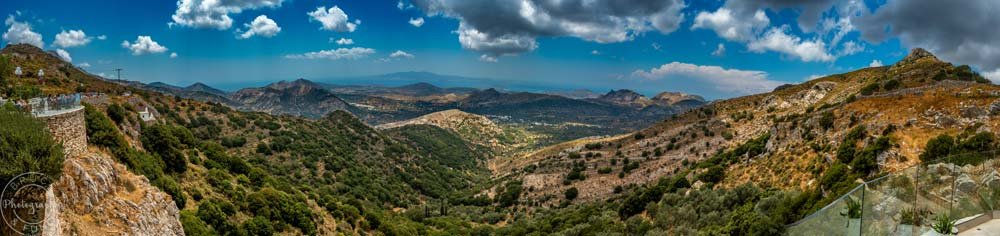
(510, 194)
(193, 226)
(866, 161)
(571, 193)
(258, 226)
(216, 213)
(826, 120)
(938, 147)
(102, 132)
(167, 184)
(269, 125)
(980, 142)
(27, 146)
(891, 85)
(714, 174)
(160, 140)
(869, 89)
(117, 113)
(280, 206)
(234, 142)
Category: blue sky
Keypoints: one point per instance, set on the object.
(647, 46)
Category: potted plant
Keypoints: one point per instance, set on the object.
(910, 220)
(853, 213)
(943, 225)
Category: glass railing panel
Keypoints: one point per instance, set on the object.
(935, 189)
(887, 200)
(976, 185)
(830, 220)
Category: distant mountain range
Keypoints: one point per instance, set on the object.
(588, 113)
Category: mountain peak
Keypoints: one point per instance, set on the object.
(917, 54)
(23, 48)
(673, 97)
(622, 95)
(300, 83)
(421, 85)
(200, 87)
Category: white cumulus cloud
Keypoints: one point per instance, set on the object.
(333, 19)
(719, 50)
(84, 65)
(400, 54)
(143, 45)
(64, 55)
(875, 63)
(821, 29)
(778, 40)
(20, 32)
(335, 54)
(417, 22)
(723, 80)
(730, 27)
(173, 55)
(511, 27)
(487, 58)
(72, 38)
(215, 13)
(261, 26)
(342, 41)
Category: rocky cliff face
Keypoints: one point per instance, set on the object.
(98, 196)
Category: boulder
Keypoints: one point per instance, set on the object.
(965, 184)
(941, 168)
(973, 112)
(995, 108)
(992, 180)
(944, 121)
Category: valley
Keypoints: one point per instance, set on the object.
(302, 157)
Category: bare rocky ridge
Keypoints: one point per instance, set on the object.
(98, 196)
(630, 98)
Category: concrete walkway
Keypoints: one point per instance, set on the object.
(990, 228)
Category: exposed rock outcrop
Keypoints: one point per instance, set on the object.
(98, 196)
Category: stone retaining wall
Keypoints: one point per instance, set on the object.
(69, 128)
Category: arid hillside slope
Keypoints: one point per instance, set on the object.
(786, 138)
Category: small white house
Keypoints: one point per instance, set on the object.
(41, 73)
(145, 115)
(18, 72)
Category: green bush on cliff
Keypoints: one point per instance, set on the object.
(26, 146)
